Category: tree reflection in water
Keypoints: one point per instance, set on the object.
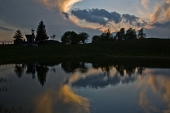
(124, 74)
(42, 73)
(94, 80)
(97, 75)
(71, 67)
(19, 69)
(33, 68)
(3, 89)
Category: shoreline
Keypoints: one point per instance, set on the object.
(141, 61)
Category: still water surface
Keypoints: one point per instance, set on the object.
(78, 87)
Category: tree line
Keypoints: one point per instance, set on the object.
(40, 36)
(120, 35)
(71, 37)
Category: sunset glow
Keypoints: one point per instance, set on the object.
(85, 15)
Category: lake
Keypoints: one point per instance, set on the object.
(81, 87)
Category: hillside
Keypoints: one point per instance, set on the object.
(155, 48)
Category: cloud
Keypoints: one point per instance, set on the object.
(166, 7)
(159, 84)
(11, 16)
(103, 17)
(63, 5)
(145, 3)
(66, 5)
(131, 19)
(156, 13)
(50, 11)
(162, 25)
(5, 29)
(161, 12)
(66, 15)
(89, 16)
(160, 18)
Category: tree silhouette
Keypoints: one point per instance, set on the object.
(95, 39)
(18, 36)
(70, 37)
(141, 35)
(120, 34)
(131, 34)
(106, 35)
(66, 38)
(83, 37)
(41, 32)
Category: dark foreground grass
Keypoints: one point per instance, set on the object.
(129, 49)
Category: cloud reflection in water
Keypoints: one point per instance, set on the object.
(62, 100)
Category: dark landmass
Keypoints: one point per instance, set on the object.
(155, 51)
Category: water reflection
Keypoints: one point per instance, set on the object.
(105, 75)
(63, 99)
(32, 68)
(75, 87)
(160, 85)
(108, 75)
(19, 69)
(70, 67)
(42, 73)
(3, 89)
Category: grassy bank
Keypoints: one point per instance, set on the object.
(53, 51)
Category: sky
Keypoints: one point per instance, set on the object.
(90, 16)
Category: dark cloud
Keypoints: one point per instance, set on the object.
(166, 6)
(89, 16)
(66, 15)
(5, 29)
(162, 25)
(131, 19)
(157, 32)
(100, 16)
(116, 17)
(113, 16)
(103, 17)
(26, 15)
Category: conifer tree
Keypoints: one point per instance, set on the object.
(18, 35)
(41, 32)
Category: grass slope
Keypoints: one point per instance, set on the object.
(153, 48)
